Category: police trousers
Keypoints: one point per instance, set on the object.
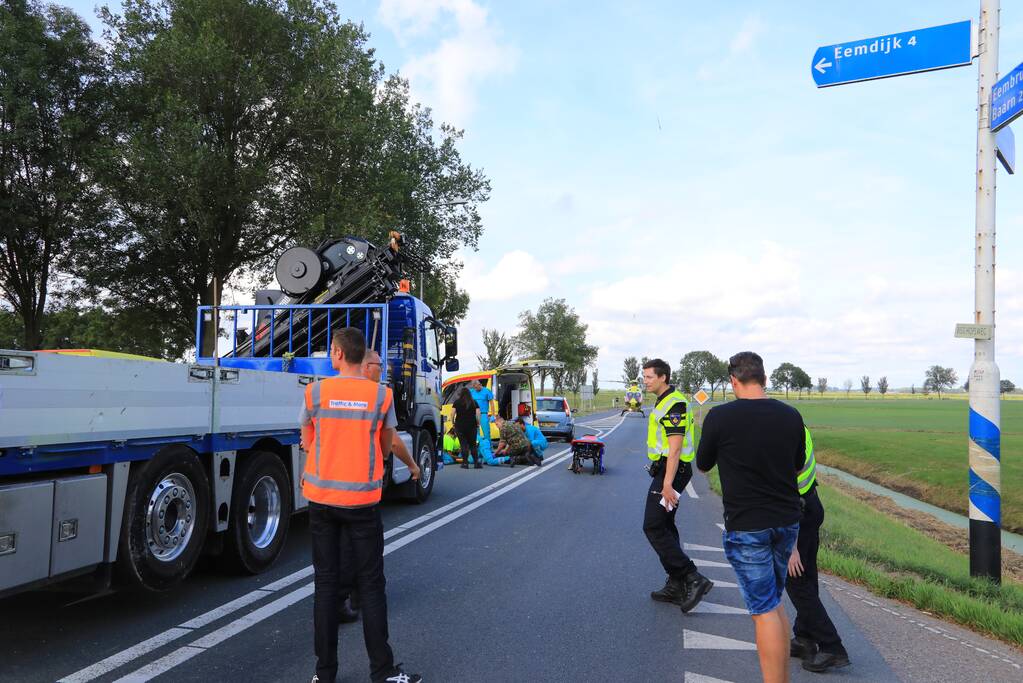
(659, 524)
(812, 620)
(348, 552)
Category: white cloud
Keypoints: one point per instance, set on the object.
(747, 34)
(515, 274)
(446, 77)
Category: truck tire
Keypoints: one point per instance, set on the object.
(426, 457)
(260, 514)
(166, 514)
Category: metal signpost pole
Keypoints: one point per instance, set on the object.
(985, 384)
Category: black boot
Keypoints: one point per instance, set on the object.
(465, 464)
(674, 592)
(802, 648)
(825, 661)
(696, 586)
(478, 463)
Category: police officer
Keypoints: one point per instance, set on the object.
(815, 640)
(670, 449)
(348, 426)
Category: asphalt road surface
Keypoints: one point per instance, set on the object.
(524, 574)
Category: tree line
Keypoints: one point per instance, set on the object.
(141, 176)
(553, 332)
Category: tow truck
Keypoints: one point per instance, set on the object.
(121, 468)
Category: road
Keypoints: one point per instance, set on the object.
(524, 574)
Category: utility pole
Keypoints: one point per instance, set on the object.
(985, 409)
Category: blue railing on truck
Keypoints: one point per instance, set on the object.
(288, 338)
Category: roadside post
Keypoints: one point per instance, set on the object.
(999, 102)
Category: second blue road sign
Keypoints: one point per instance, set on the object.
(1007, 98)
(926, 49)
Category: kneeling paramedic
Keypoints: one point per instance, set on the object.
(670, 449)
(348, 426)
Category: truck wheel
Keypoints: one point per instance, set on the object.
(426, 458)
(260, 512)
(166, 513)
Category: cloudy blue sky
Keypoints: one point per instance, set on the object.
(670, 170)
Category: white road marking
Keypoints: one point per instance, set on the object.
(714, 608)
(691, 491)
(700, 678)
(711, 563)
(724, 584)
(125, 656)
(721, 526)
(833, 586)
(697, 640)
(708, 548)
(183, 654)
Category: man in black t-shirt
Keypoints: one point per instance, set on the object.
(757, 444)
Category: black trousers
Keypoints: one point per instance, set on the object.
(467, 443)
(812, 620)
(659, 524)
(348, 552)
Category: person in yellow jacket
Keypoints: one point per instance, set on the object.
(348, 427)
(815, 639)
(670, 451)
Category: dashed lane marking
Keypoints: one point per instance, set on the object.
(927, 627)
(700, 678)
(715, 608)
(690, 491)
(697, 640)
(708, 548)
(711, 563)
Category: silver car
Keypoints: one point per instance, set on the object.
(555, 417)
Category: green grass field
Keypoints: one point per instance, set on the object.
(915, 446)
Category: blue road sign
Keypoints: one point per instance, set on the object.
(1007, 98)
(897, 54)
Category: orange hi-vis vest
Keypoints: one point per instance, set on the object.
(344, 465)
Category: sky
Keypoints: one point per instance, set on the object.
(672, 172)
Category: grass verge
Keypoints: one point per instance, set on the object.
(892, 560)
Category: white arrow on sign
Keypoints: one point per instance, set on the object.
(822, 65)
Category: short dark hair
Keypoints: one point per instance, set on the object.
(352, 344)
(660, 368)
(747, 367)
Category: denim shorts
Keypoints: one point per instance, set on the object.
(760, 560)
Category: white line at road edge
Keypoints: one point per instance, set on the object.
(185, 653)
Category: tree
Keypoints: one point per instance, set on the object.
(912, 390)
(717, 376)
(574, 380)
(882, 386)
(847, 385)
(75, 326)
(940, 379)
(865, 384)
(800, 381)
(52, 95)
(696, 369)
(596, 383)
(555, 332)
(788, 376)
(630, 370)
(446, 301)
(822, 385)
(498, 350)
(243, 127)
(1007, 386)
